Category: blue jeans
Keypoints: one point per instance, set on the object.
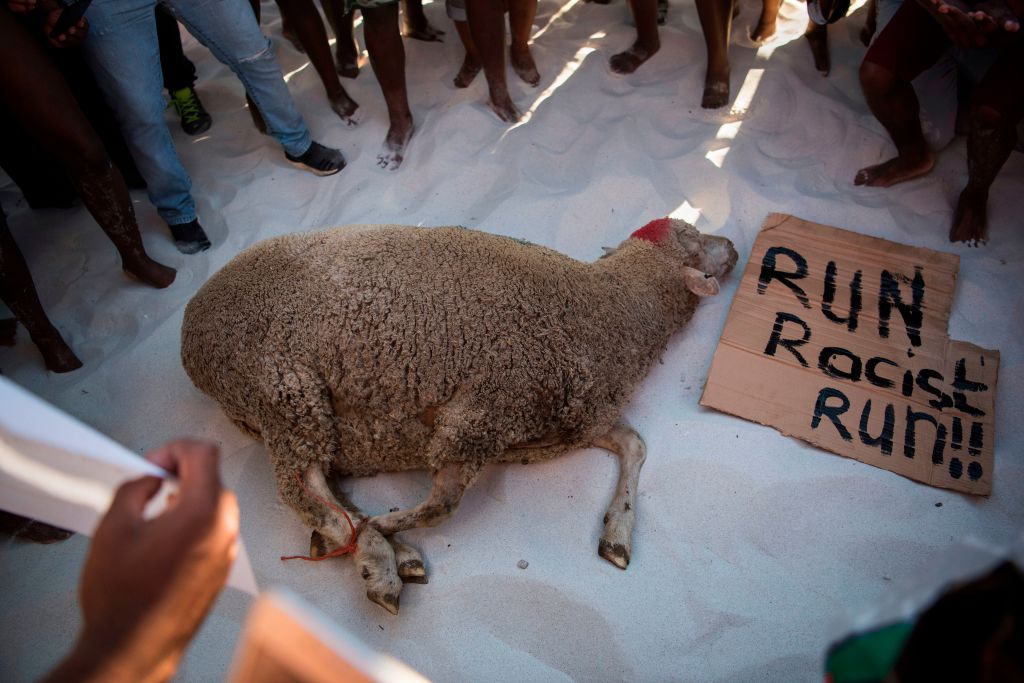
(124, 54)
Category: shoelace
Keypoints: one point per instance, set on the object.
(188, 107)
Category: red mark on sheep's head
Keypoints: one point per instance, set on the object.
(655, 231)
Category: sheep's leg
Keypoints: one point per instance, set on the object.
(408, 559)
(450, 482)
(374, 555)
(616, 541)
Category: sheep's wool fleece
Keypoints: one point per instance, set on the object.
(401, 348)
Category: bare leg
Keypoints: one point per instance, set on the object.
(765, 28)
(645, 14)
(895, 105)
(817, 38)
(415, 24)
(520, 19)
(450, 482)
(616, 541)
(471, 62)
(106, 196)
(998, 106)
(304, 18)
(346, 50)
(19, 293)
(870, 22)
(715, 23)
(44, 106)
(387, 57)
(289, 34)
(487, 25)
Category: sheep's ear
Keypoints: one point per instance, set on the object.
(700, 283)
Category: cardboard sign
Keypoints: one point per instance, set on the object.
(286, 640)
(841, 340)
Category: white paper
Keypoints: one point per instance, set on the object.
(57, 470)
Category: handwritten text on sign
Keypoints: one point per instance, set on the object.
(841, 340)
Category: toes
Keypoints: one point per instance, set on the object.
(616, 553)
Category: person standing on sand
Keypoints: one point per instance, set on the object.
(124, 54)
(387, 58)
(36, 95)
(918, 34)
(481, 27)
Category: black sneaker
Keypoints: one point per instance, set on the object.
(319, 160)
(194, 117)
(190, 238)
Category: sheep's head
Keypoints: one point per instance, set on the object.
(705, 257)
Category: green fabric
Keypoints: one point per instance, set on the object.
(867, 657)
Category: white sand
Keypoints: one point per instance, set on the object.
(752, 550)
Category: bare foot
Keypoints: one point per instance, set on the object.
(392, 153)
(716, 90)
(148, 271)
(470, 68)
(895, 170)
(345, 107)
(970, 221)
(504, 108)
(817, 38)
(57, 355)
(8, 331)
(627, 62)
(420, 29)
(523, 65)
(763, 31)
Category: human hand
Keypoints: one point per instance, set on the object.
(148, 584)
(21, 6)
(995, 15)
(968, 27)
(72, 37)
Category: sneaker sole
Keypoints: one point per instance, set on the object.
(314, 171)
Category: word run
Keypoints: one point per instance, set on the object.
(791, 332)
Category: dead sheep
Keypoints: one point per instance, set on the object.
(355, 352)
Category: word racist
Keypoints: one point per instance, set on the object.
(906, 297)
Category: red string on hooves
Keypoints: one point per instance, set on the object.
(354, 530)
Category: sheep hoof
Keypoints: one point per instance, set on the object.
(409, 562)
(317, 544)
(388, 601)
(412, 571)
(616, 553)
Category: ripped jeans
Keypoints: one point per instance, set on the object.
(124, 54)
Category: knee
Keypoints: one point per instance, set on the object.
(876, 79)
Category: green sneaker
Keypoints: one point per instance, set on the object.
(194, 117)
